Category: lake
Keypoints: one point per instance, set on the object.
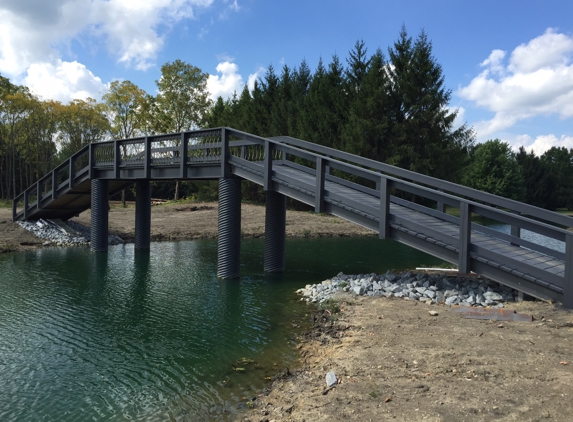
(155, 335)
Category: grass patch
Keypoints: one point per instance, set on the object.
(5, 203)
(330, 305)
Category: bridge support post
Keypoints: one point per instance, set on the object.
(142, 214)
(275, 228)
(99, 220)
(568, 276)
(465, 238)
(229, 228)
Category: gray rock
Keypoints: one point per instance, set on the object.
(331, 379)
(492, 296)
(359, 290)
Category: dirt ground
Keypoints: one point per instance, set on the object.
(395, 361)
(186, 221)
(392, 358)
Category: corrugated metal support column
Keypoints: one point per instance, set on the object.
(142, 214)
(99, 221)
(229, 228)
(275, 225)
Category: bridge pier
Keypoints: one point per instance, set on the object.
(99, 219)
(229, 228)
(142, 214)
(275, 227)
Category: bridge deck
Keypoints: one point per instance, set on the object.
(432, 229)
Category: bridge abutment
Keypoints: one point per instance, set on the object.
(100, 214)
(275, 227)
(229, 228)
(142, 214)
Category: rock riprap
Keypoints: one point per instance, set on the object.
(57, 236)
(424, 287)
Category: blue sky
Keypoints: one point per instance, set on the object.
(508, 63)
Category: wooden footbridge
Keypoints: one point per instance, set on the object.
(366, 192)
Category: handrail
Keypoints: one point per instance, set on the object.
(372, 175)
(434, 182)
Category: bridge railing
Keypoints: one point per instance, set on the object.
(380, 180)
(199, 147)
(49, 187)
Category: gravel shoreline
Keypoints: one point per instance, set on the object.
(423, 287)
(66, 234)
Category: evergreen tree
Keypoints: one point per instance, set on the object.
(301, 80)
(539, 182)
(422, 136)
(560, 164)
(366, 130)
(358, 65)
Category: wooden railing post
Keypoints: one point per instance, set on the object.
(515, 230)
(465, 238)
(147, 158)
(71, 172)
(383, 229)
(328, 169)
(268, 166)
(319, 198)
(26, 200)
(441, 206)
(183, 157)
(14, 208)
(116, 159)
(568, 279)
(225, 168)
(39, 195)
(54, 184)
(91, 161)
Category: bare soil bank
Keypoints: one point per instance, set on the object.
(395, 361)
(183, 221)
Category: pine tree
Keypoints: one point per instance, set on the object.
(539, 182)
(422, 136)
(365, 132)
(358, 65)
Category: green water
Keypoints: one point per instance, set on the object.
(154, 336)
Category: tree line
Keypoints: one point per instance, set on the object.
(391, 107)
(545, 181)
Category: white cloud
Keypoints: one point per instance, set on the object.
(63, 81)
(225, 85)
(540, 144)
(31, 30)
(230, 81)
(253, 77)
(547, 51)
(34, 35)
(545, 142)
(537, 81)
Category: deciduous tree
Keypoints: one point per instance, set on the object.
(494, 169)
